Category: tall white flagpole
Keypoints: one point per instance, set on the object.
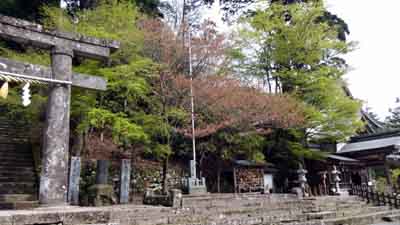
(191, 89)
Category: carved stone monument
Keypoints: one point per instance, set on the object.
(63, 47)
(195, 185)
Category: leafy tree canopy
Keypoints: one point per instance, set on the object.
(294, 51)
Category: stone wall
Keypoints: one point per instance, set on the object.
(148, 173)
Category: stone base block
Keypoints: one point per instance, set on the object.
(102, 195)
(173, 198)
(196, 186)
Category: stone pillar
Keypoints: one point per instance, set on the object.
(54, 174)
(193, 169)
(125, 181)
(175, 198)
(74, 177)
(336, 180)
(102, 172)
(302, 179)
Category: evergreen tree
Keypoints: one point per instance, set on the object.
(393, 120)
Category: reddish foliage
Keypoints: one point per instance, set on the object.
(165, 47)
(219, 101)
(222, 102)
(106, 149)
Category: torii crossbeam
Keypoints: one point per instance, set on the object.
(63, 47)
(42, 73)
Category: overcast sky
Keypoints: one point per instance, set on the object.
(375, 77)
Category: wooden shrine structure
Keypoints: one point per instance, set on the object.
(373, 148)
(370, 150)
(62, 47)
(379, 151)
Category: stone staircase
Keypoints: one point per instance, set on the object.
(287, 210)
(18, 181)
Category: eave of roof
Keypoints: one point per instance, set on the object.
(342, 158)
(390, 142)
(252, 163)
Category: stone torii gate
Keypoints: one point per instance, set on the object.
(63, 47)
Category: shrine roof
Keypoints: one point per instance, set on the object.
(371, 144)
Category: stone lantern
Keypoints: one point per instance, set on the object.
(336, 180)
(302, 179)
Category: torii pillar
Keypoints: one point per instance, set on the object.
(54, 176)
(63, 47)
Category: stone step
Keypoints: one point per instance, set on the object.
(13, 154)
(362, 219)
(19, 205)
(331, 218)
(13, 144)
(17, 157)
(24, 162)
(18, 188)
(10, 146)
(18, 179)
(17, 197)
(14, 148)
(4, 168)
(281, 213)
(15, 173)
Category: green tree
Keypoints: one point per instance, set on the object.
(293, 51)
(126, 112)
